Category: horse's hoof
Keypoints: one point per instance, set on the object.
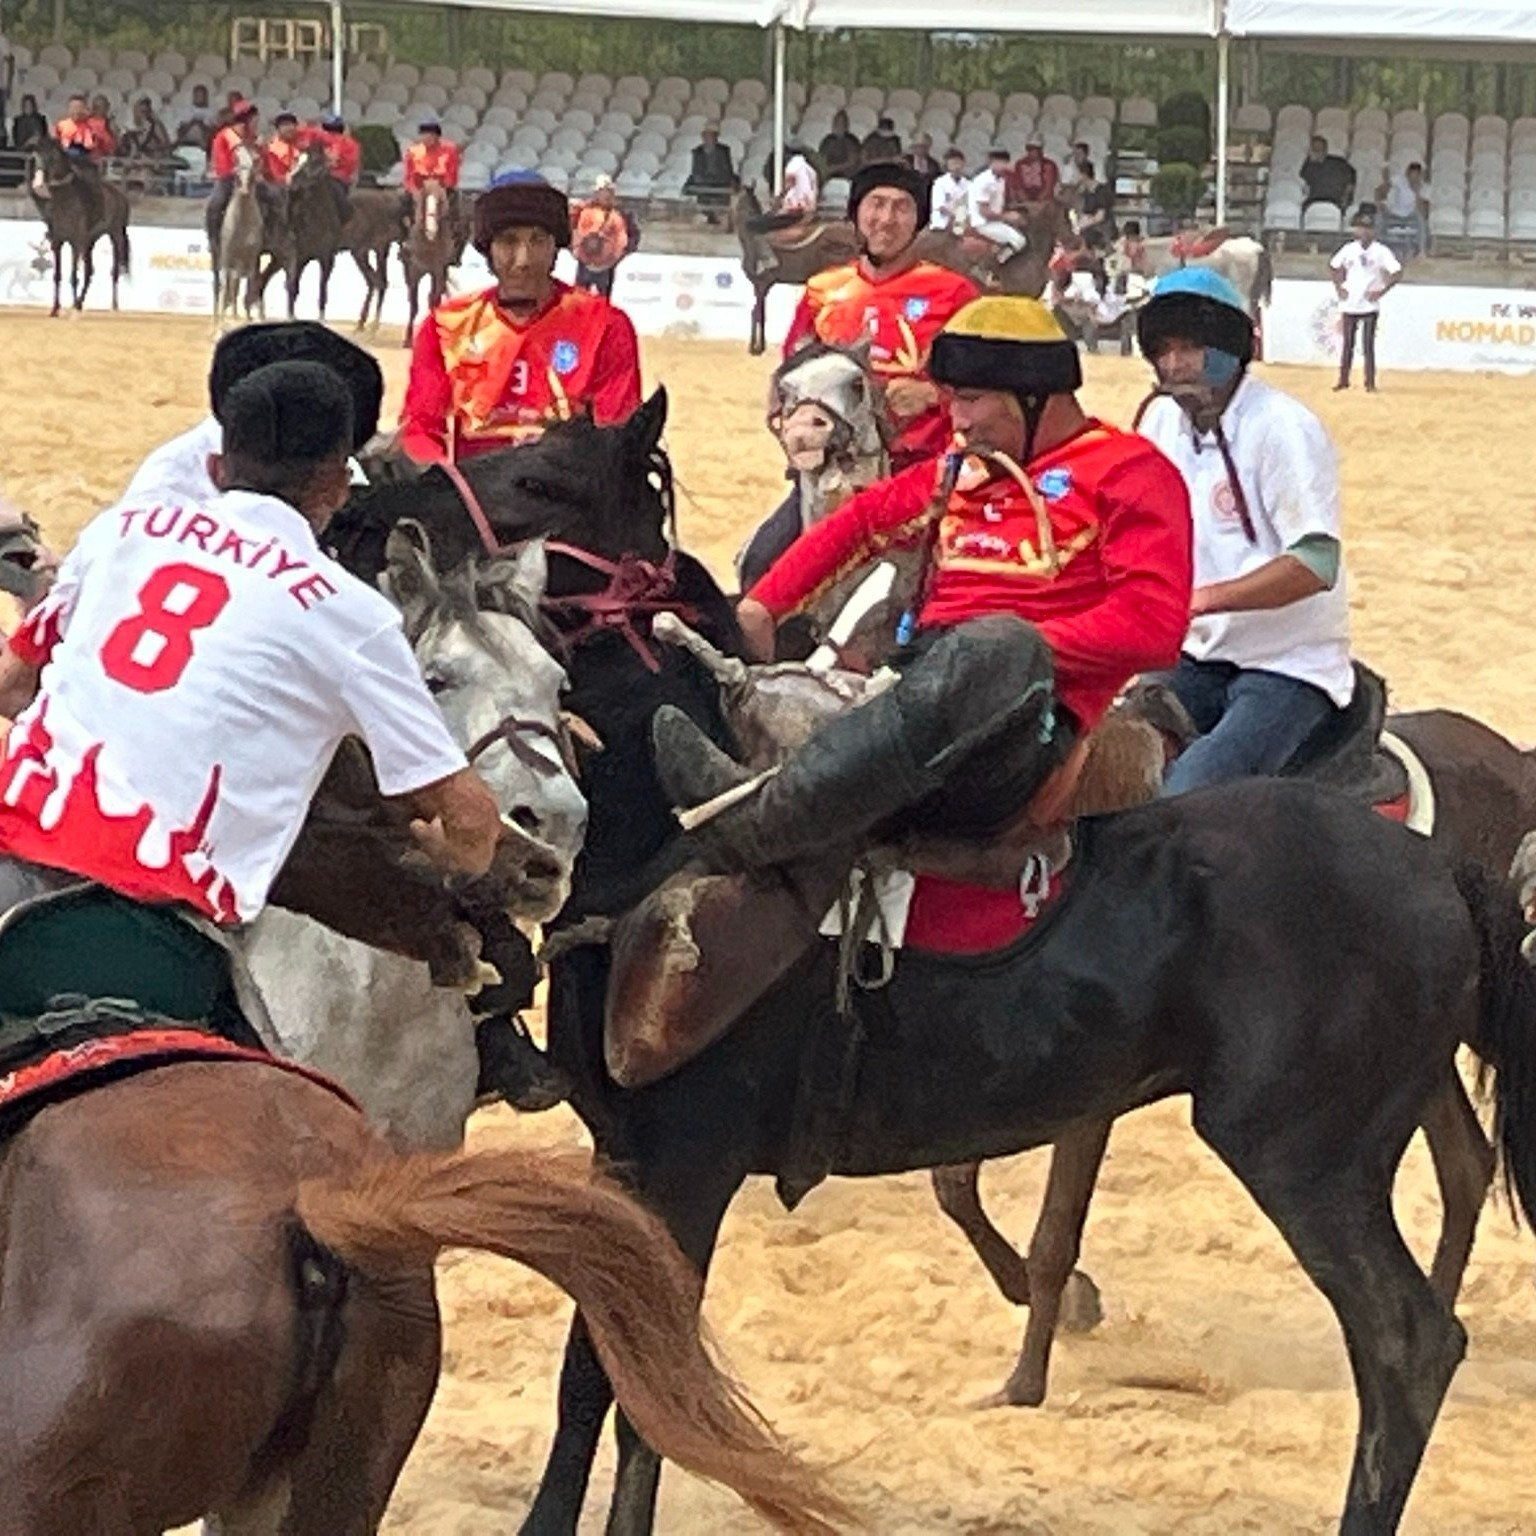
(1014, 1394)
(1082, 1308)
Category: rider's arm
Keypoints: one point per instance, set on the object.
(1286, 579)
(888, 515)
(802, 327)
(1145, 552)
(459, 823)
(428, 399)
(616, 374)
(18, 683)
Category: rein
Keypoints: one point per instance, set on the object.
(636, 588)
(512, 732)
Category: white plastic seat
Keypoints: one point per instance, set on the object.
(642, 162)
(1447, 221)
(1137, 112)
(1486, 224)
(523, 80)
(392, 91)
(57, 57)
(578, 118)
(493, 134)
(871, 96)
(305, 108)
(469, 96)
(99, 59)
(633, 85)
(1322, 218)
(634, 184)
(382, 114)
(754, 91)
(434, 96)
(568, 138)
(403, 74)
(1282, 215)
(1252, 118)
(607, 139)
(617, 122)
(509, 99)
(466, 117)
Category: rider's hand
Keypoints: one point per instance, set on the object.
(758, 628)
(459, 824)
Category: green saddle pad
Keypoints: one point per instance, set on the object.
(95, 944)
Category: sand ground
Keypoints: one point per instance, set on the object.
(1214, 1398)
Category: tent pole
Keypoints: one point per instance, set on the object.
(338, 56)
(1223, 109)
(779, 106)
(58, 21)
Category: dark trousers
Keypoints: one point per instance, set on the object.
(1365, 327)
(1251, 723)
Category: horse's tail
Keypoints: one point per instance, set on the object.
(1507, 1025)
(1263, 279)
(638, 1296)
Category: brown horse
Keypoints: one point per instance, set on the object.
(79, 210)
(1485, 801)
(832, 243)
(377, 225)
(217, 1297)
(434, 243)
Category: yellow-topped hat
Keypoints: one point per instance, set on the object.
(1006, 343)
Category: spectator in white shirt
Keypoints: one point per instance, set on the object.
(951, 195)
(988, 200)
(1363, 273)
(802, 186)
(1406, 199)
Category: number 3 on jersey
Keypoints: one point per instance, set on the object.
(150, 650)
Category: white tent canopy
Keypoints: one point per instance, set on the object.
(752, 13)
(1473, 21)
(1126, 18)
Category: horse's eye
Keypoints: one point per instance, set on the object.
(436, 683)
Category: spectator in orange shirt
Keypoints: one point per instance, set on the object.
(602, 235)
(84, 134)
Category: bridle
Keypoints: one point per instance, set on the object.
(636, 588)
(513, 731)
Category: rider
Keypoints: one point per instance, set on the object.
(344, 155)
(284, 150)
(239, 135)
(180, 468)
(988, 204)
(1058, 568)
(602, 234)
(895, 298)
(432, 158)
(497, 366)
(1267, 658)
(179, 693)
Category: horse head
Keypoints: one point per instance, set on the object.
(477, 636)
(825, 411)
(431, 207)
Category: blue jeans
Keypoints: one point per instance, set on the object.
(1251, 723)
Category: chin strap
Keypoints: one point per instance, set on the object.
(1223, 447)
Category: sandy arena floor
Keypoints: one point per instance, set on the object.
(1214, 1399)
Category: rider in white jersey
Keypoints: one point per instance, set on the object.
(179, 694)
(1267, 659)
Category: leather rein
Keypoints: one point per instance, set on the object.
(637, 589)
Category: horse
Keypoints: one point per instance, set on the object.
(830, 244)
(79, 209)
(309, 229)
(434, 243)
(377, 225)
(1244, 261)
(242, 236)
(371, 1020)
(1135, 987)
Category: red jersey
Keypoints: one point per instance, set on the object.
(1034, 181)
(480, 381)
(92, 135)
(424, 163)
(344, 154)
(1113, 602)
(282, 156)
(901, 314)
(222, 152)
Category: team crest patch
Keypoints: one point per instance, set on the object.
(565, 357)
(916, 308)
(1055, 483)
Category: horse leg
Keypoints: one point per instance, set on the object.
(957, 1190)
(1464, 1169)
(1053, 1251)
(759, 342)
(325, 284)
(1404, 1344)
(58, 279)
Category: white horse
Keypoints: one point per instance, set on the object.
(374, 1022)
(1241, 259)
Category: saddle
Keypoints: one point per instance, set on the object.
(1346, 751)
(1197, 243)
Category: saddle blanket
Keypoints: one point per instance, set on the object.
(945, 917)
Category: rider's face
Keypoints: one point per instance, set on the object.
(1184, 371)
(988, 419)
(523, 258)
(887, 222)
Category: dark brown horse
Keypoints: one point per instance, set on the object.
(307, 229)
(829, 244)
(377, 226)
(79, 210)
(433, 244)
(1484, 791)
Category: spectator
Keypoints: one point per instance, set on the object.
(1327, 178)
(951, 195)
(988, 201)
(79, 131)
(1364, 271)
(30, 127)
(195, 131)
(147, 138)
(839, 152)
(234, 103)
(1082, 160)
(1406, 199)
(602, 235)
(882, 144)
(712, 178)
(101, 115)
(1131, 255)
(921, 158)
(1035, 178)
(1096, 208)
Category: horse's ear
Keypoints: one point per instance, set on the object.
(643, 430)
(516, 583)
(409, 577)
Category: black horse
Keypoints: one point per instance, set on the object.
(306, 228)
(80, 209)
(1300, 968)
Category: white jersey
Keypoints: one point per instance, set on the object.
(201, 662)
(989, 196)
(802, 189)
(1290, 479)
(1362, 269)
(951, 201)
(179, 468)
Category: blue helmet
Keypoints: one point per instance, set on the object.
(1199, 305)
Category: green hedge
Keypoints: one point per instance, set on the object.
(1178, 190)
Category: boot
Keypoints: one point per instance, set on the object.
(854, 773)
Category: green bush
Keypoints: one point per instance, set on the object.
(1186, 109)
(380, 149)
(1182, 144)
(1178, 190)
